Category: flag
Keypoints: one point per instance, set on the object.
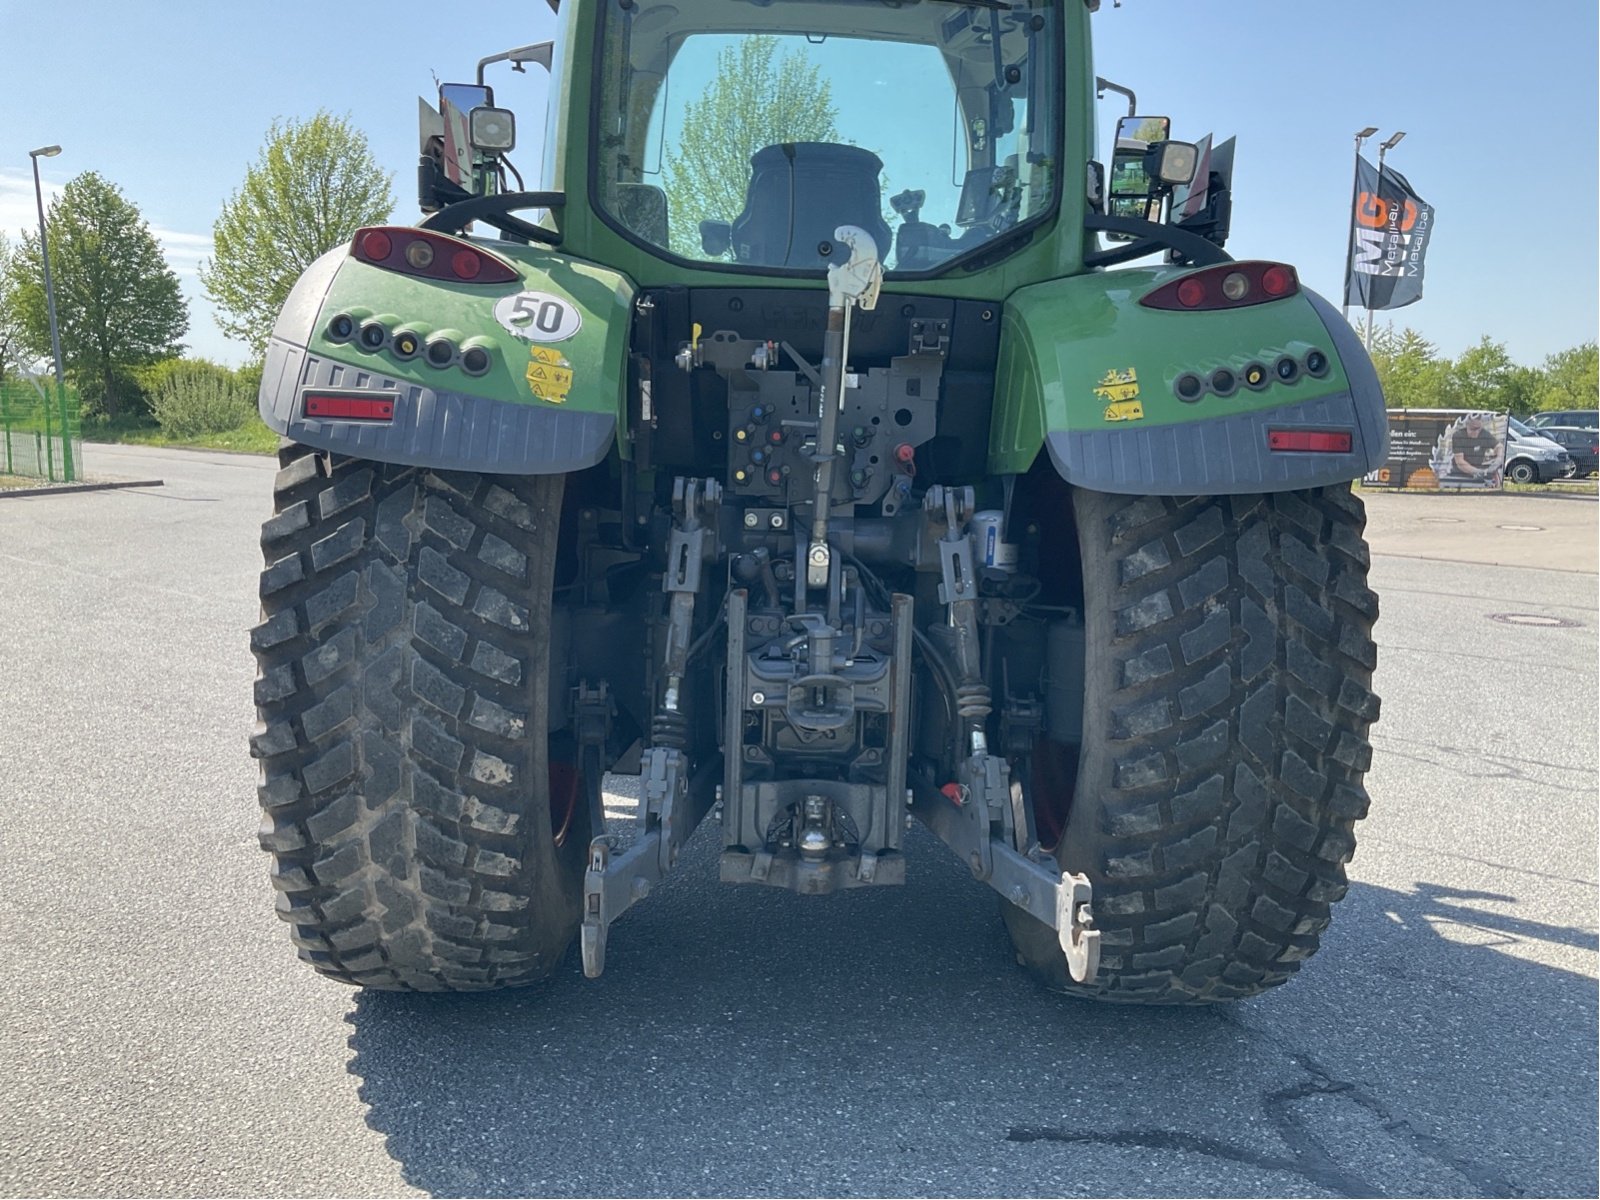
(1392, 228)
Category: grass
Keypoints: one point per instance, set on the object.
(1580, 487)
(253, 438)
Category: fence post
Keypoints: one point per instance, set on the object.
(68, 473)
(49, 445)
(5, 424)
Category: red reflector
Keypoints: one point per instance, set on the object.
(1191, 293)
(466, 264)
(1308, 440)
(376, 246)
(350, 408)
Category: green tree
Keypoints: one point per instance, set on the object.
(117, 300)
(1410, 369)
(11, 327)
(1571, 379)
(313, 185)
(758, 98)
(1483, 377)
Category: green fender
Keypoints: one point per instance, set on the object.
(549, 400)
(1089, 376)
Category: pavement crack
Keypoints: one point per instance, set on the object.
(1308, 1156)
(1306, 1147)
(1319, 1170)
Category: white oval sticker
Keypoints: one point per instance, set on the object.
(538, 317)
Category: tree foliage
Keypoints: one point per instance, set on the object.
(1571, 379)
(313, 185)
(757, 99)
(117, 301)
(12, 352)
(1484, 376)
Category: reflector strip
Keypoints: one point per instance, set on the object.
(1308, 440)
(350, 408)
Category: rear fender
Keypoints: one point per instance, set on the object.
(543, 407)
(1090, 376)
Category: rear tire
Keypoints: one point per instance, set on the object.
(1228, 673)
(403, 666)
(1522, 471)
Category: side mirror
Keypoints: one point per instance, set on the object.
(1131, 190)
(716, 238)
(464, 97)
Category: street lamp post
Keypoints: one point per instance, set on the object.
(44, 254)
(1350, 239)
(1383, 149)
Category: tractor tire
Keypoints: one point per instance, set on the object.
(421, 837)
(1228, 671)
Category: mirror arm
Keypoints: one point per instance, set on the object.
(1196, 250)
(1104, 85)
(495, 210)
(541, 53)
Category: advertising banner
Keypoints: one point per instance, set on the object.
(1443, 450)
(1393, 226)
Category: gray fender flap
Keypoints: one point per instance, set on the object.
(1229, 455)
(431, 427)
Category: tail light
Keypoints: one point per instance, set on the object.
(1232, 285)
(430, 255)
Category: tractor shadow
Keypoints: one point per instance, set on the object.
(749, 1042)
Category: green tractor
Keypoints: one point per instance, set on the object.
(798, 451)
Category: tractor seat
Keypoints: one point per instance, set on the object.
(800, 193)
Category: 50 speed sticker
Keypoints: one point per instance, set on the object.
(538, 317)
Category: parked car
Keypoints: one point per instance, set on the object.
(1582, 444)
(1577, 418)
(1532, 458)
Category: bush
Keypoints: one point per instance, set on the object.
(193, 397)
(129, 393)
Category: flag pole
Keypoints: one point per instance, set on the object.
(1383, 149)
(1350, 236)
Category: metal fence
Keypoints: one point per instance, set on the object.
(41, 434)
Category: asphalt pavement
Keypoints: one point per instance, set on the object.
(158, 1036)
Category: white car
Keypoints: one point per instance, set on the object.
(1534, 459)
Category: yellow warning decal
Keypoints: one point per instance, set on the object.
(549, 375)
(1120, 391)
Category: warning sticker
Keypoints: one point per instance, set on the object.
(1120, 391)
(549, 375)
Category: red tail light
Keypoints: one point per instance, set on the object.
(1232, 285)
(430, 255)
(1312, 440)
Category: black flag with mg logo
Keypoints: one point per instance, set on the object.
(1393, 226)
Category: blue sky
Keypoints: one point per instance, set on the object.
(170, 101)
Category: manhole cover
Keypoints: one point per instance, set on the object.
(1441, 520)
(1537, 620)
(1524, 528)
